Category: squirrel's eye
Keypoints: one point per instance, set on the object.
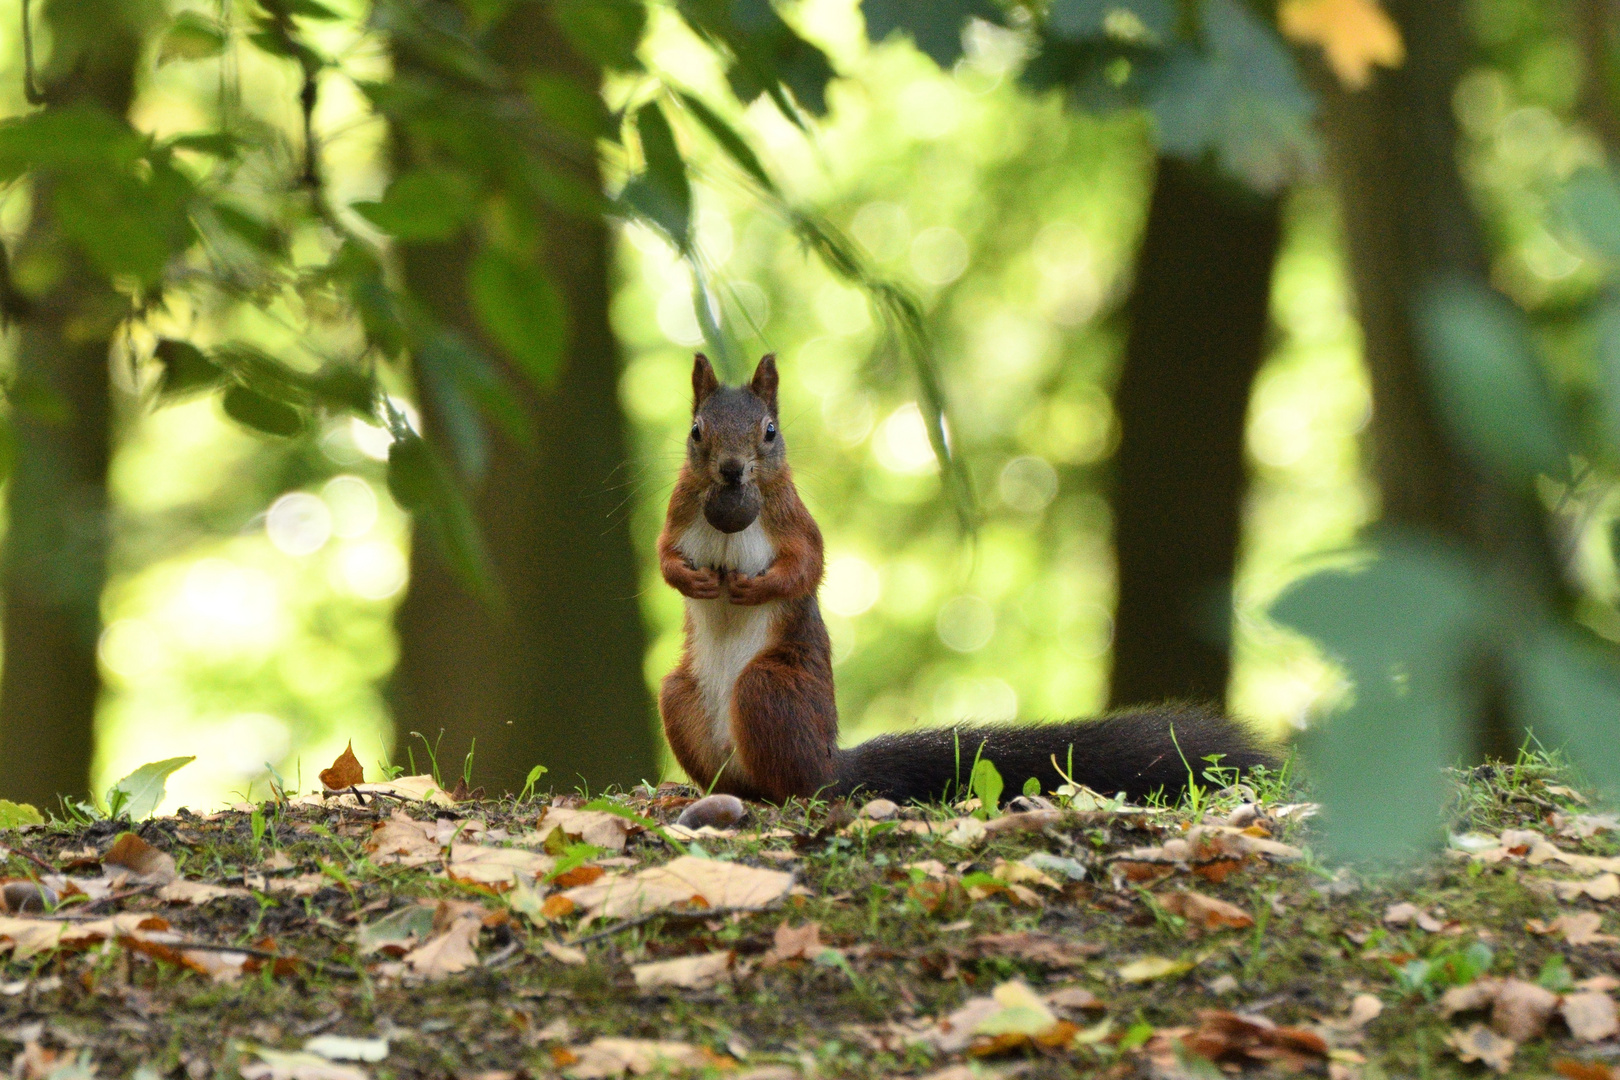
(697, 433)
(770, 431)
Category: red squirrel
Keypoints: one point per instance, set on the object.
(750, 711)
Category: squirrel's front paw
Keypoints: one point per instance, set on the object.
(747, 590)
(701, 584)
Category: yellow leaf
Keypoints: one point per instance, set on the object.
(1354, 35)
(1153, 967)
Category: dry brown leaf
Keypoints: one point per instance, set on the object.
(1584, 826)
(345, 772)
(298, 1065)
(1021, 873)
(1536, 849)
(1232, 1037)
(571, 955)
(1479, 994)
(453, 946)
(1354, 35)
(1074, 999)
(146, 864)
(1590, 1015)
(794, 943)
(496, 867)
(596, 827)
(1602, 887)
(1582, 1070)
(404, 840)
(1521, 1010)
(602, 1058)
(195, 893)
(1405, 914)
(1578, 928)
(1204, 912)
(686, 880)
(1480, 1043)
(29, 937)
(686, 972)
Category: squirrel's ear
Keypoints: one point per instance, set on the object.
(703, 381)
(764, 384)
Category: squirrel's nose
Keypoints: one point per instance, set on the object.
(731, 471)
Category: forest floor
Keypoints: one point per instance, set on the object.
(376, 934)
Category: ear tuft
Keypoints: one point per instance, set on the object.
(765, 380)
(704, 382)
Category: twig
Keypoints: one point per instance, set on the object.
(112, 898)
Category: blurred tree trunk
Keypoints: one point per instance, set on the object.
(1407, 218)
(56, 544)
(1198, 316)
(558, 679)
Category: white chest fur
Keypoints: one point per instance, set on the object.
(725, 636)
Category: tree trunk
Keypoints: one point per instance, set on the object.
(55, 554)
(1198, 314)
(558, 679)
(1407, 218)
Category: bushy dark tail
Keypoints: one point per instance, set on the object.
(1141, 752)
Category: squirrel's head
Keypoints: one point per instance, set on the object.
(734, 448)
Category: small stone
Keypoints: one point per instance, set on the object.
(880, 810)
(718, 811)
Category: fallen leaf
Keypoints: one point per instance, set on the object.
(1153, 967)
(1021, 873)
(686, 972)
(404, 841)
(572, 955)
(1405, 914)
(1204, 912)
(347, 1048)
(195, 893)
(345, 772)
(966, 832)
(453, 946)
(399, 931)
(1536, 849)
(1602, 887)
(1480, 1043)
(683, 881)
(606, 1057)
(596, 827)
(495, 867)
(1590, 1015)
(1578, 928)
(1479, 994)
(1229, 1036)
(1582, 1070)
(1584, 826)
(1074, 999)
(1521, 1010)
(1364, 1009)
(298, 1065)
(1354, 35)
(420, 788)
(794, 943)
(146, 864)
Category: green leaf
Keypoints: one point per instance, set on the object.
(250, 230)
(1406, 627)
(264, 414)
(1568, 692)
(606, 31)
(311, 9)
(1032, 786)
(1590, 206)
(1487, 380)
(184, 369)
(423, 204)
(735, 146)
(987, 784)
(217, 143)
(192, 36)
(661, 193)
(519, 307)
(411, 469)
(934, 25)
(1240, 98)
(575, 109)
(140, 792)
(13, 814)
(1608, 361)
(78, 137)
